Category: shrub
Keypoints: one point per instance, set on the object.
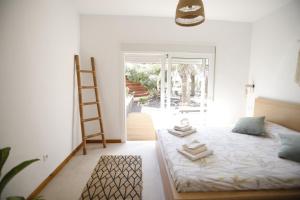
(147, 75)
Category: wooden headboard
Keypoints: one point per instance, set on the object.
(284, 113)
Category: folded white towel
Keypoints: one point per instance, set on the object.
(193, 145)
(195, 157)
(181, 126)
(183, 123)
(180, 133)
(183, 129)
(194, 151)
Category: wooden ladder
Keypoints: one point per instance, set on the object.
(82, 104)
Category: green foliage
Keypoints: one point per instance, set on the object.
(3, 157)
(143, 100)
(147, 75)
(154, 93)
(4, 153)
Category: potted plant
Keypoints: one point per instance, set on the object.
(4, 153)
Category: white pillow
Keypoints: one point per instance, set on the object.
(273, 130)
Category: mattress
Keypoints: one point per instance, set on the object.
(239, 162)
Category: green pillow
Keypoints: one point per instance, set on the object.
(250, 126)
(290, 147)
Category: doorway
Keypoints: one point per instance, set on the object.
(162, 87)
(143, 94)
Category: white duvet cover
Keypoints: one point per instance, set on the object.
(240, 162)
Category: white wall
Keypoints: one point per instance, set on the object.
(38, 40)
(102, 36)
(274, 50)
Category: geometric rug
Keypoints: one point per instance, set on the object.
(115, 178)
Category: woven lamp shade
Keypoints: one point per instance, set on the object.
(190, 13)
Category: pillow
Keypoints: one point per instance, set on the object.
(250, 126)
(290, 147)
(272, 130)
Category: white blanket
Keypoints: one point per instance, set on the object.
(239, 162)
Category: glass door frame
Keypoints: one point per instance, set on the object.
(162, 58)
(169, 56)
(166, 64)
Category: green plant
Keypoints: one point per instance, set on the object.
(154, 93)
(4, 153)
(147, 75)
(143, 100)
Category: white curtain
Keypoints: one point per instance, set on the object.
(297, 77)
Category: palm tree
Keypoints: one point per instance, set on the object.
(185, 71)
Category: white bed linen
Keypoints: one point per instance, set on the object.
(240, 162)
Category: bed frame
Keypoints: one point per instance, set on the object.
(284, 113)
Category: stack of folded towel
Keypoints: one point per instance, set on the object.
(195, 150)
(182, 129)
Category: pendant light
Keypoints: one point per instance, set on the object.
(190, 13)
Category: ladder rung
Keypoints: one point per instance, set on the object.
(91, 119)
(89, 103)
(93, 135)
(88, 87)
(91, 72)
(86, 71)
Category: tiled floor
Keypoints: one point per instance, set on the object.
(68, 184)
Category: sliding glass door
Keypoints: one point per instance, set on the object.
(187, 82)
(180, 82)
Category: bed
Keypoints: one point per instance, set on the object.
(236, 170)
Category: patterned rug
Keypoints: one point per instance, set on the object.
(115, 178)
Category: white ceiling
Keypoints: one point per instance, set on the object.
(231, 10)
